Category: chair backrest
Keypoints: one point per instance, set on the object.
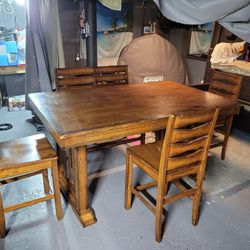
(226, 84)
(112, 74)
(88, 76)
(74, 77)
(187, 140)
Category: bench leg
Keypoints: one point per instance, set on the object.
(2, 219)
(57, 193)
(226, 137)
(46, 181)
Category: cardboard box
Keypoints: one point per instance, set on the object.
(16, 102)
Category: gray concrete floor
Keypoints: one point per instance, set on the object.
(224, 219)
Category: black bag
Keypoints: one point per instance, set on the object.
(245, 56)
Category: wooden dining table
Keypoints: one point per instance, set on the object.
(80, 117)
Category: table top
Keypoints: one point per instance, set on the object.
(84, 116)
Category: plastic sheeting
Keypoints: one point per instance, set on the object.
(234, 15)
(44, 51)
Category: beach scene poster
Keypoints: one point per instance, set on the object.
(114, 30)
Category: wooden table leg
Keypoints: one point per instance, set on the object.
(86, 214)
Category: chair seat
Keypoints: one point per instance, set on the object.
(25, 151)
(149, 153)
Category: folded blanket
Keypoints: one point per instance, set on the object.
(226, 52)
(235, 67)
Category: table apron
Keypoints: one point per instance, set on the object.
(110, 133)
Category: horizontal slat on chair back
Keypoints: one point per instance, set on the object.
(75, 71)
(189, 138)
(198, 117)
(226, 84)
(112, 69)
(180, 135)
(71, 77)
(111, 79)
(183, 161)
(70, 81)
(180, 148)
(112, 74)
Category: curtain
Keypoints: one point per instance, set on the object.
(234, 15)
(44, 50)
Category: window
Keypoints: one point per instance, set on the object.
(200, 40)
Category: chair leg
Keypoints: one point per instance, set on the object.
(197, 197)
(143, 138)
(161, 189)
(159, 135)
(128, 181)
(196, 207)
(57, 193)
(2, 219)
(226, 137)
(46, 181)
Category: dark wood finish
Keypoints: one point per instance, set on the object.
(79, 118)
(88, 76)
(183, 152)
(227, 85)
(74, 77)
(112, 74)
(26, 157)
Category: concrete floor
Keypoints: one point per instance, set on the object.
(224, 219)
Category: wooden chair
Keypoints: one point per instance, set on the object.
(227, 85)
(88, 76)
(74, 77)
(23, 158)
(183, 152)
